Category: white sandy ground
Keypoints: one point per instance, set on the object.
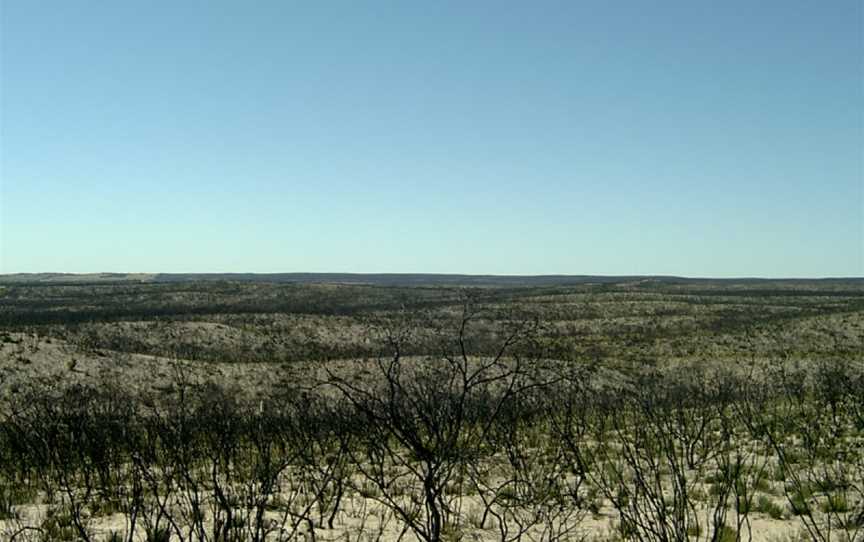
(360, 519)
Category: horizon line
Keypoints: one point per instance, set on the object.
(428, 274)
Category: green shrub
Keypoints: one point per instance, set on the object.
(835, 504)
(762, 484)
(58, 527)
(161, 534)
(778, 474)
(767, 506)
(7, 506)
(727, 534)
(798, 502)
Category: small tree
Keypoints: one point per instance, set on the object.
(425, 417)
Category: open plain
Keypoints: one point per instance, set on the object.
(234, 408)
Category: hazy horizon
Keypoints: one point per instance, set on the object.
(360, 274)
(552, 138)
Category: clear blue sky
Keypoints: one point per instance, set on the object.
(688, 137)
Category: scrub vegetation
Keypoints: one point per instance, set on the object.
(615, 409)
